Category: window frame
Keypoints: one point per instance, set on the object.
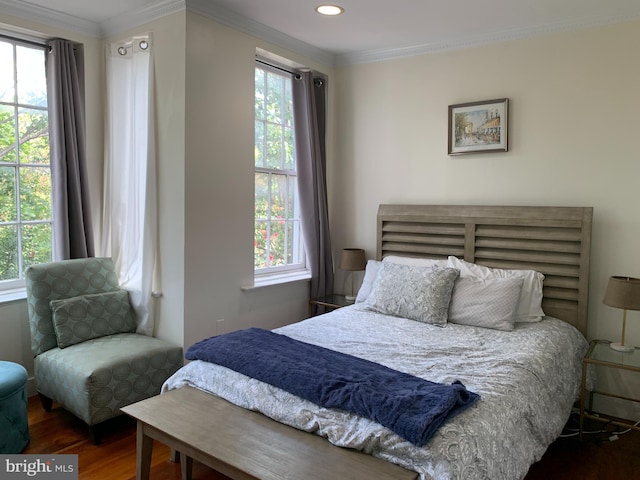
(13, 289)
(299, 270)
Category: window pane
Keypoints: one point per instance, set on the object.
(8, 210)
(277, 243)
(297, 241)
(260, 144)
(291, 234)
(33, 128)
(260, 94)
(8, 252)
(35, 193)
(274, 146)
(7, 91)
(278, 196)
(288, 149)
(292, 200)
(261, 196)
(32, 83)
(36, 244)
(287, 119)
(7, 134)
(260, 245)
(275, 93)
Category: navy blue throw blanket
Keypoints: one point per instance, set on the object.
(410, 406)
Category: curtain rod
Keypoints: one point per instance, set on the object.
(21, 40)
(277, 67)
(316, 81)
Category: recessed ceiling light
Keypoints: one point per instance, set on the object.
(329, 9)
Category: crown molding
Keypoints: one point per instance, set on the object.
(259, 30)
(140, 16)
(36, 13)
(371, 56)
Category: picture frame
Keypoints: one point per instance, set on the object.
(479, 127)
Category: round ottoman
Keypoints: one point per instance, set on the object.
(14, 427)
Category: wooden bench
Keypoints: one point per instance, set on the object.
(242, 444)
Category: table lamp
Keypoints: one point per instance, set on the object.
(352, 260)
(623, 292)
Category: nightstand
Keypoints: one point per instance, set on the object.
(601, 354)
(329, 302)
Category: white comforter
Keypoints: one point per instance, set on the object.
(528, 380)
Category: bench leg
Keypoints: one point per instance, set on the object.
(174, 456)
(144, 449)
(186, 466)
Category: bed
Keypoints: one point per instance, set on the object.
(526, 372)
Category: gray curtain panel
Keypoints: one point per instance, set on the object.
(309, 111)
(73, 231)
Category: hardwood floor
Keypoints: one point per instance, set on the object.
(114, 458)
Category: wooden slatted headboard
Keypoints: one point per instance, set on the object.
(555, 241)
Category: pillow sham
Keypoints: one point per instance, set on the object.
(82, 318)
(530, 303)
(371, 270)
(488, 303)
(417, 293)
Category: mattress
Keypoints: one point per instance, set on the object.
(528, 380)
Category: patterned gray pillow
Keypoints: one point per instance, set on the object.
(82, 318)
(417, 293)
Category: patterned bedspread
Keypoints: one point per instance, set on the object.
(528, 380)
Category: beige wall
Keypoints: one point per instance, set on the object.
(219, 182)
(573, 141)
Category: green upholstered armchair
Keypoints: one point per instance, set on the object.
(88, 357)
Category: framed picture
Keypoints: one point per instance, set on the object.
(478, 127)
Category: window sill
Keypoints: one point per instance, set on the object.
(278, 279)
(13, 295)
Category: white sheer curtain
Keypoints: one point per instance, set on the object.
(130, 203)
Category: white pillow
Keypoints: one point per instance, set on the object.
(370, 274)
(417, 293)
(530, 303)
(489, 303)
(416, 261)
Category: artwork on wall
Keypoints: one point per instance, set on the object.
(478, 127)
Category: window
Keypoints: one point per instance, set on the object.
(25, 174)
(278, 244)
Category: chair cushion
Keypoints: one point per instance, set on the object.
(81, 318)
(95, 378)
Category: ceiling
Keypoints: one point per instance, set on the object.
(376, 25)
